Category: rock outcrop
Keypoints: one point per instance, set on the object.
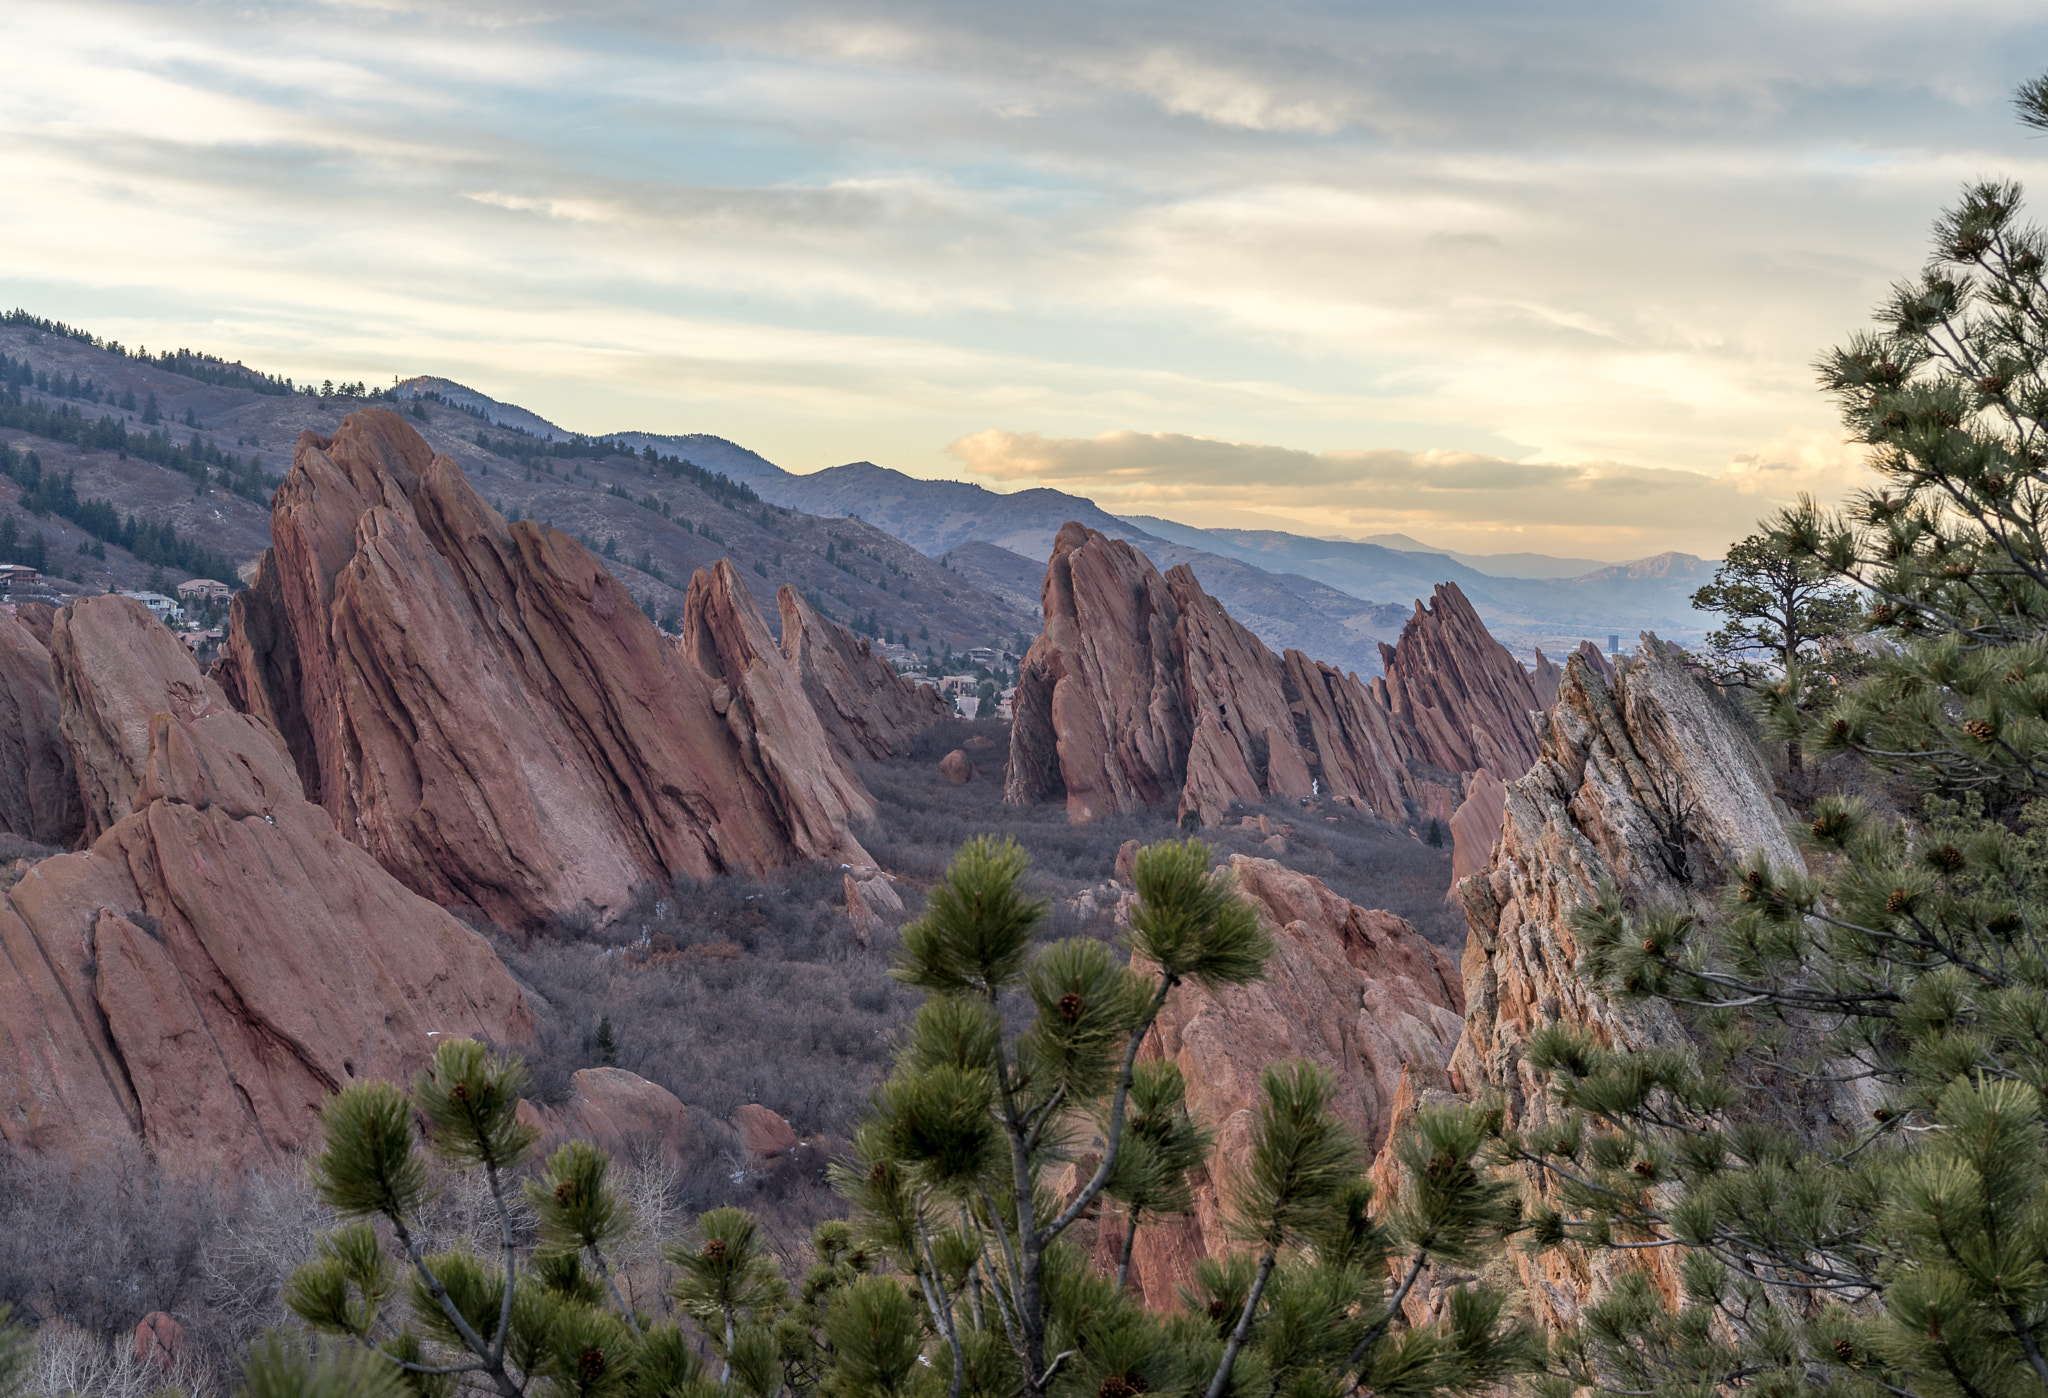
(485, 709)
(219, 960)
(39, 799)
(1143, 691)
(1101, 720)
(868, 710)
(1645, 782)
(1462, 700)
(779, 737)
(618, 1112)
(955, 768)
(1475, 826)
(115, 668)
(1357, 991)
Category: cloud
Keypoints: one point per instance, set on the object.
(1459, 500)
(1496, 242)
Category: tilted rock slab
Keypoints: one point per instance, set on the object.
(868, 710)
(485, 709)
(219, 961)
(777, 733)
(1463, 702)
(1648, 783)
(1355, 990)
(39, 798)
(1143, 692)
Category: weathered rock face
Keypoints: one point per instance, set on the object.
(1546, 677)
(1100, 718)
(38, 788)
(1475, 826)
(220, 960)
(868, 710)
(1462, 700)
(483, 708)
(115, 667)
(1357, 991)
(1142, 691)
(778, 734)
(1618, 765)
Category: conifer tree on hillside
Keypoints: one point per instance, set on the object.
(1779, 615)
(1905, 1254)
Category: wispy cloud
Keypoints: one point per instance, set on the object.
(1474, 239)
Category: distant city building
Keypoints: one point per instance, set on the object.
(165, 608)
(1614, 643)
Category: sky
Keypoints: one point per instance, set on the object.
(1502, 276)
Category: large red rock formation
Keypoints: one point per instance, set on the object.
(1143, 691)
(1101, 720)
(1462, 700)
(219, 961)
(1358, 991)
(38, 788)
(483, 707)
(779, 736)
(869, 711)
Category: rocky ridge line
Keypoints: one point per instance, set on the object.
(1143, 691)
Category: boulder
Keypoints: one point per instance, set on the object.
(619, 1112)
(158, 1340)
(765, 1134)
(872, 903)
(868, 710)
(200, 979)
(487, 711)
(955, 768)
(39, 796)
(1356, 990)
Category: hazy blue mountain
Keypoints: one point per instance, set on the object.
(1496, 565)
(933, 516)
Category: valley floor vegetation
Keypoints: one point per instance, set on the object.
(458, 1259)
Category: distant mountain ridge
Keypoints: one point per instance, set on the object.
(1496, 565)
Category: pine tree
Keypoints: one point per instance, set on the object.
(1907, 1255)
(1780, 612)
(954, 1273)
(604, 1041)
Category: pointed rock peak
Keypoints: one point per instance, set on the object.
(485, 708)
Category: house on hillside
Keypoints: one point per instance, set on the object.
(13, 575)
(161, 606)
(202, 590)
